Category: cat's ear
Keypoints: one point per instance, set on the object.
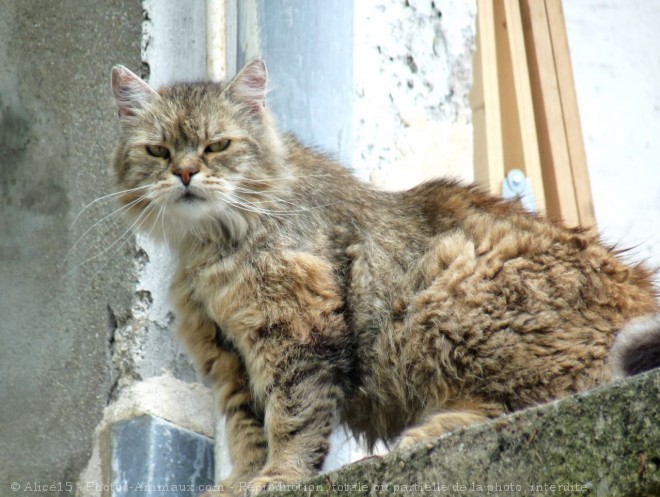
(131, 93)
(249, 86)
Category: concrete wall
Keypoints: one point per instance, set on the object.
(57, 318)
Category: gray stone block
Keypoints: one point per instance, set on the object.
(151, 457)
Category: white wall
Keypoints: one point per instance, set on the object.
(412, 75)
(614, 48)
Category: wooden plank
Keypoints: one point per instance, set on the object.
(524, 102)
(569, 105)
(476, 98)
(555, 158)
(490, 171)
(512, 149)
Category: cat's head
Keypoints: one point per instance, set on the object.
(192, 156)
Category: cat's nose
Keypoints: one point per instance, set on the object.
(185, 173)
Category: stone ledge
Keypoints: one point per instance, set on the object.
(186, 406)
(602, 443)
(151, 457)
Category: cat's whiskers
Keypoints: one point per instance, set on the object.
(120, 210)
(246, 205)
(290, 212)
(128, 232)
(277, 199)
(289, 177)
(106, 197)
(269, 194)
(161, 215)
(138, 221)
(266, 201)
(271, 198)
(229, 195)
(273, 211)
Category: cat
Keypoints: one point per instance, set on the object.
(310, 299)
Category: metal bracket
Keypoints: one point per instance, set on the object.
(517, 185)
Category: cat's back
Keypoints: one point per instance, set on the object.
(496, 304)
(501, 238)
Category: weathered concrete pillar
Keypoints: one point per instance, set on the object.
(60, 298)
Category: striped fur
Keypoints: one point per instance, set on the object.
(310, 299)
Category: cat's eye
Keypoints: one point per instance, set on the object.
(158, 151)
(219, 146)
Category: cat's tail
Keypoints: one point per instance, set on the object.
(637, 347)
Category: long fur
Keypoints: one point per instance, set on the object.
(310, 299)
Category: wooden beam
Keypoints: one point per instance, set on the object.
(555, 158)
(524, 103)
(570, 111)
(489, 161)
(512, 148)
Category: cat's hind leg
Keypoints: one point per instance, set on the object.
(435, 425)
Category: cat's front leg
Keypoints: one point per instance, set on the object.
(284, 316)
(244, 428)
(226, 372)
(302, 407)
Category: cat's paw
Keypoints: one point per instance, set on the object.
(412, 437)
(422, 434)
(439, 424)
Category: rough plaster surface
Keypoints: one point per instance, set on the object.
(189, 406)
(412, 76)
(603, 443)
(174, 41)
(56, 134)
(614, 49)
(143, 344)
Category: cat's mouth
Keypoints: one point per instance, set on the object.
(189, 197)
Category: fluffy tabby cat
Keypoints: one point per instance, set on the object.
(310, 299)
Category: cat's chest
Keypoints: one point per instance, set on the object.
(212, 280)
(223, 290)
